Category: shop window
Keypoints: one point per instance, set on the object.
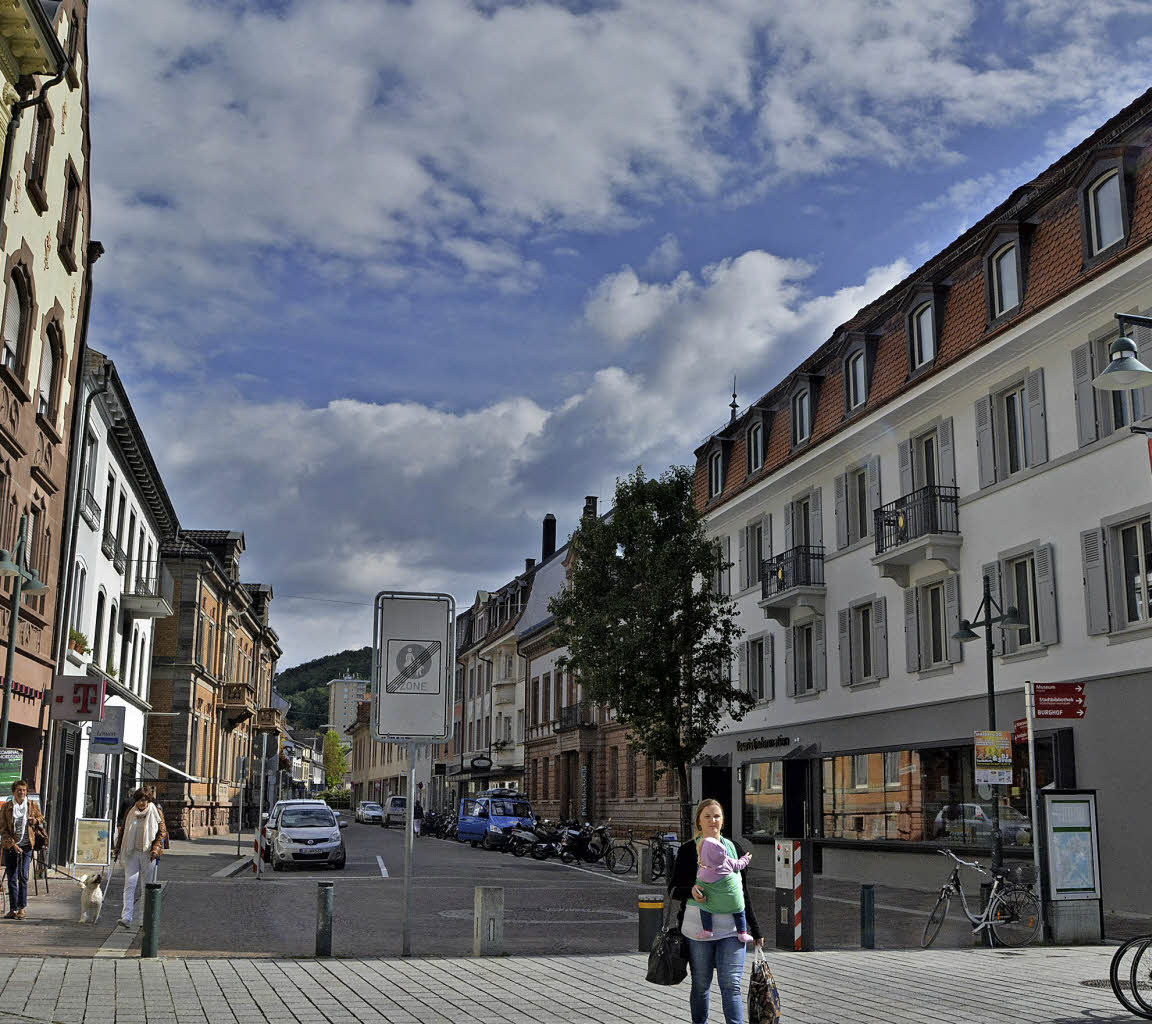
(763, 811)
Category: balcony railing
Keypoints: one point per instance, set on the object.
(929, 510)
(108, 544)
(239, 702)
(119, 559)
(90, 509)
(575, 716)
(801, 566)
(148, 590)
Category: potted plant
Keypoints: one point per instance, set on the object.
(77, 641)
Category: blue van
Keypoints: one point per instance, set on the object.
(492, 811)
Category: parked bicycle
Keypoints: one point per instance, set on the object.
(663, 853)
(1012, 917)
(1132, 981)
(620, 857)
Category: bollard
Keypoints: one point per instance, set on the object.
(150, 933)
(646, 866)
(867, 916)
(488, 921)
(651, 909)
(325, 901)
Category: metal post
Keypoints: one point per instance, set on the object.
(409, 816)
(150, 933)
(650, 911)
(1033, 795)
(325, 903)
(240, 819)
(488, 921)
(867, 916)
(260, 808)
(646, 867)
(13, 624)
(989, 652)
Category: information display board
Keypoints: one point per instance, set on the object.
(93, 841)
(11, 769)
(1073, 845)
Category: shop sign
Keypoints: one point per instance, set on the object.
(1060, 700)
(1020, 731)
(762, 743)
(107, 736)
(481, 764)
(993, 758)
(77, 698)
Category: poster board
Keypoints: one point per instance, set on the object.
(93, 844)
(11, 769)
(993, 758)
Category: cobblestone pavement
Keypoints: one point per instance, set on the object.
(1033, 986)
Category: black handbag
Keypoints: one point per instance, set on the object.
(668, 959)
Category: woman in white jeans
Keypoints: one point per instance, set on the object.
(141, 840)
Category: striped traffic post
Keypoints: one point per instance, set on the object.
(797, 897)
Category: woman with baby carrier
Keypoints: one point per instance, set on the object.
(716, 915)
(141, 841)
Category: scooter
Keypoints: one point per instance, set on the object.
(587, 844)
(549, 841)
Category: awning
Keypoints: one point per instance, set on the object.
(156, 760)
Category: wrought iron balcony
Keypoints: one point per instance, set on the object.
(148, 591)
(119, 559)
(921, 526)
(108, 544)
(576, 716)
(793, 581)
(90, 509)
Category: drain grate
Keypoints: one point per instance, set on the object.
(1144, 986)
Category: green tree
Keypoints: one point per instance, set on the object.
(335, 759)
(645, 627)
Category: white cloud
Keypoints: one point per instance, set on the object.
(665, 258)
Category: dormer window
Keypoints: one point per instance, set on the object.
(715, 474)
(1005, 279)
(801, 417)
(923, 336)
(1106, 211)
(855, 380)
(755, 447)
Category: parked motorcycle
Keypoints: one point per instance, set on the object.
(588, 844)
(550, 837)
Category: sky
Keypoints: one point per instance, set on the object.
(389, 280)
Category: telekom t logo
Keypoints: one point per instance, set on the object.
(86, 697)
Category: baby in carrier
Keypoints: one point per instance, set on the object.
(719, 878)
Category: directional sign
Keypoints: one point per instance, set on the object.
(1020, 731)
(1060, 700)
(412, 663)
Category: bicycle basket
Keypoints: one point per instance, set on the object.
(1022, 874)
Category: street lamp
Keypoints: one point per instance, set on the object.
(1009, 620)
(1124, 371)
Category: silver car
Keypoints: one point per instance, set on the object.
(308, 835)
(369, 812)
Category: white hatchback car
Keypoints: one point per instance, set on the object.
(395, 810)
(308, 835)
(272, 822)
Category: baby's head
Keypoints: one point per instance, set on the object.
(712, 853)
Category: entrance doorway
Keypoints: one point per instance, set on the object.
(797, 798)
(570, 786)
(716, 784)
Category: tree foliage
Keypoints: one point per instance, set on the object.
(335, 759)
(645, 627)
(306, 685)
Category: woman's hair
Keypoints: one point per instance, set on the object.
(142, 794)
(18, 783)
(706, 802)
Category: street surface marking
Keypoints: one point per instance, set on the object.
(383, 869)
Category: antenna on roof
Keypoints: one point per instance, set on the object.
(732, 405)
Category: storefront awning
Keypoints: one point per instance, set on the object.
(156, 760)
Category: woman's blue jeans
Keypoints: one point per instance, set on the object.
(726, 958)
(16, 863)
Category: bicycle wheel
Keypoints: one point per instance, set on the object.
(657, 863)
(1118, 970)
(935, 920)
(1016, 918)
(1141, 966)
(620, 859)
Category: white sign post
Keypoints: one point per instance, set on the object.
(413, 664)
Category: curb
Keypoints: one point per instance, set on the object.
(233, 869)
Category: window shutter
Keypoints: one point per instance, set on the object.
(841, 497)
(744, 567)
(904, 460)
(816, 512)
(947, 453)
(765, 537)
(1095, 581)
(770, 666)
(911, 631)
(1037, 418)
(880, 638)
(1143, 338)
(742, 667)
(991, 573)
(788, 526)
(726, 575)
(789, 664)
(1046, 594)
(1085, 394)
(844, 629)
(985, 446)
(819, 655)
(952, 617)
(873, 492)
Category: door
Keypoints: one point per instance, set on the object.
(797, 798)
(63, 834)
(716, 784)
(473, 821)
(570, 786)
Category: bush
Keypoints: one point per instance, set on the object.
(336, 797)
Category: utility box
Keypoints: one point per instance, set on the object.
(1071, 856)
(794, 903)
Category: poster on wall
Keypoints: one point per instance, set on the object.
(11, 769)
(93, 841)
(993, 758)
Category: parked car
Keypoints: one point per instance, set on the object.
(973, 822)
(309, 835)
(492, 811)
(395, 810)
(369, 812)
(272, 822)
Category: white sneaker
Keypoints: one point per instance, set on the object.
(124, 924)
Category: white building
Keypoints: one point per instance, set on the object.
(343, 696)
(119, 587)
(947, 433)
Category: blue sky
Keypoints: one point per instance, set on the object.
(391, 280)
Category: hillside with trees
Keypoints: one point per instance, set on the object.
(305, 686)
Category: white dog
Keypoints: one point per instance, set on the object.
(91, 898)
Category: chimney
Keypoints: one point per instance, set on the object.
(590, 505)
(529, 564)
(548, 547)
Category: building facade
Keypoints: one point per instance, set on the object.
(213, 665)
(380, 770)
(949, 434)
(344, 695)
(119, 589)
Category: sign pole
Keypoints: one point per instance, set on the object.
(409, 815)
(1034, 795)
(260, 807)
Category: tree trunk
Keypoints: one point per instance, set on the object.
(685, 803)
